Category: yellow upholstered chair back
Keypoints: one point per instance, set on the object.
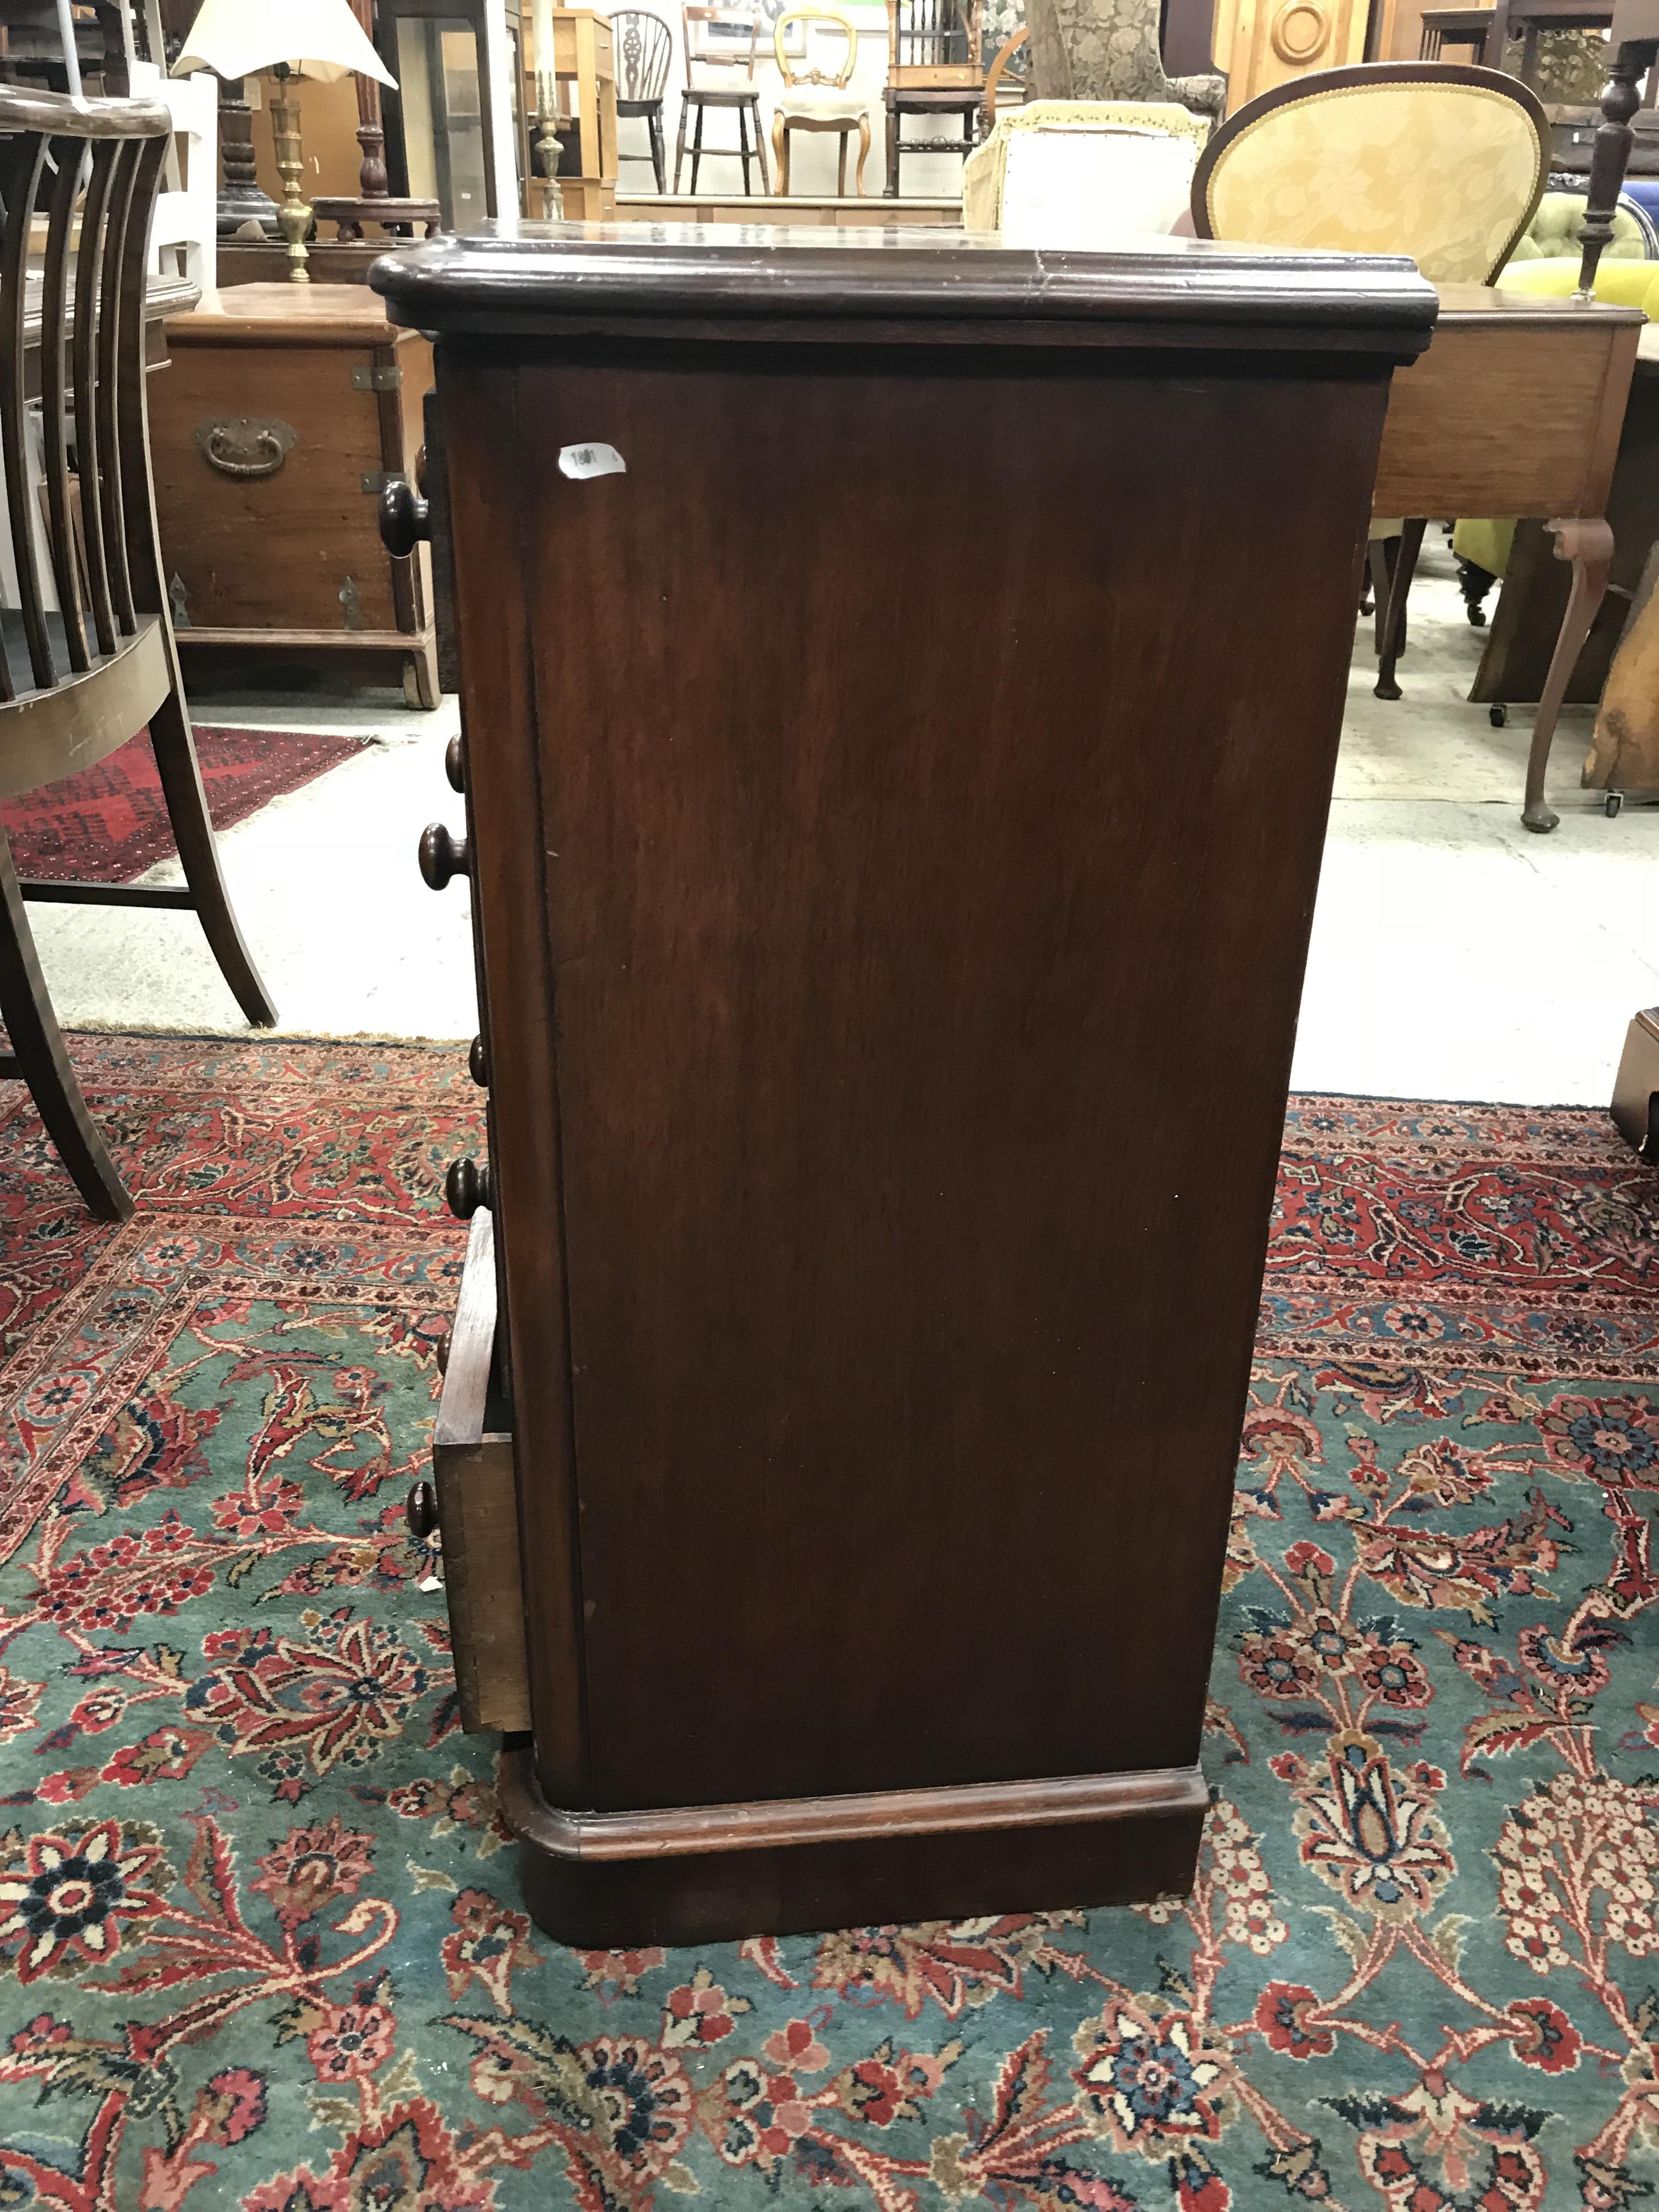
(1444, 162)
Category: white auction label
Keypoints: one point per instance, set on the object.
(582, 462)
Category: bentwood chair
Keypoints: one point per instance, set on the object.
(722, 38)
(643, 46)
(818, 96)
(934, 68)
(87, 655)
(1439, 160)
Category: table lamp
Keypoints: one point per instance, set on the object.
(1634, 38)
(292, 39)
(547, 103)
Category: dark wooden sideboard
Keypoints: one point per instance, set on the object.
(887, 1054)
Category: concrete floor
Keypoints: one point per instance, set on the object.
(1455, 954)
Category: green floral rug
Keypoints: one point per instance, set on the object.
(260, 1936)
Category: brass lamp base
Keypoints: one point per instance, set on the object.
(293, 213)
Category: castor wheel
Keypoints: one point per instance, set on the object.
(1612, 803)
(1498, 716)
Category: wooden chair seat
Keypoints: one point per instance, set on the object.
(47, 735)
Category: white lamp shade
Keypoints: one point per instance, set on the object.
(320, 39)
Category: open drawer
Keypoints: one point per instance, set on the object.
(477, 1508)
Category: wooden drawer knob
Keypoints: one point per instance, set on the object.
(406, 519)
(476, 1065)
(455, 764)
(443, 856)
(421, 1509)
(466, 1188)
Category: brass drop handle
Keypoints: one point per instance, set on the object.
(466, 1188)
(217, 450)
(405, 519)
(443, 856)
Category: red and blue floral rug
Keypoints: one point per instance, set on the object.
(260, 1938)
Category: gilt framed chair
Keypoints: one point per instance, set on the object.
(86, 665)
(1444, 161)
(721, 39)
(934, 68)
(644, 47)
(817, 94)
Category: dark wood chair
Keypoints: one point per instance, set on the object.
(934, 68)
(722, 38)
(644, 46)
(86, 657)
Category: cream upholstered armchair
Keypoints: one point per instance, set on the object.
(1442, 161)
(1079, 173)
(1102, 50)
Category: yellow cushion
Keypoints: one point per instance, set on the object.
(1623, 284)
(1447, 172)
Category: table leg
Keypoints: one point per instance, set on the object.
(1393, 629)
(1587, 542)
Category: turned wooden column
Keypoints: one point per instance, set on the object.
(242, 198)
(1634, 38)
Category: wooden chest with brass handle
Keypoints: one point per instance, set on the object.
(283, 414)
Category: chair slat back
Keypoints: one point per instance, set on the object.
(97, 165)
(932, 33)
(644, 47)
(719, 39)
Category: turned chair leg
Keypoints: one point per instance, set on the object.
(679, 148)
(760, 150)
(658, 156)
(863, 154)
(192, 832)
(1394, 631)
(40, 1057)
(1380, 577)
(696, 149)
(780, 152)
(1588, 543)
(841, 138)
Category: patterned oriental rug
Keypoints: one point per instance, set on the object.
(110, 823)
(261, 1937)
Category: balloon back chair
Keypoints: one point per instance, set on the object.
(87, 653)
(1444, 161)
(817, 92)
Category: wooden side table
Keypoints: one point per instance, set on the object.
(285, 413)
(1515, 409)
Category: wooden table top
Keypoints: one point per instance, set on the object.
(285, 314)
(1471, 304)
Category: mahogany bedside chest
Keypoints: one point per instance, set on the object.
(886, 1058)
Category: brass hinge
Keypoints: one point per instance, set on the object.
(378, 379)
(376, 480)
